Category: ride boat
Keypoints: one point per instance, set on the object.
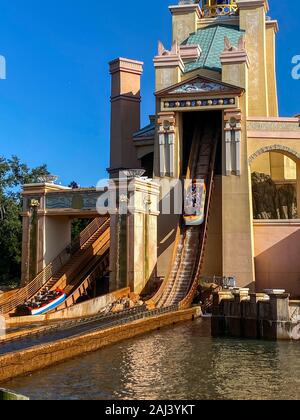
(195, 198)
(41, 305)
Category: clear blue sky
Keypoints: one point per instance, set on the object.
(54, 105)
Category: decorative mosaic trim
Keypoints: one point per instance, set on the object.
(200, 86)
(274, 148)
(194, 103)
(273, 126)
(78, 201)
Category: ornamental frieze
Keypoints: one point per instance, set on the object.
(272, 126)
(198, 103)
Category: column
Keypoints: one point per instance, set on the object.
(167, 145)
(133, 251)
(171, 153)
(162, 157)
(233, 134)
(228, 160)
(238, 149)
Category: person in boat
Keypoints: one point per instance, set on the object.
(194, 193)
(59, 291)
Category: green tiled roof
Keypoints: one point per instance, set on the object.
(211, 41)
(148, 131)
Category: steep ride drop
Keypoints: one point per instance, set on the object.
(180, 286)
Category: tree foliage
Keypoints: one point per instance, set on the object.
(13, 174)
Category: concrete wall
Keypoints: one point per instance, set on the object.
(277, 256)
(89, 308)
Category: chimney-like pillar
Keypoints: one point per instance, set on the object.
(185, 18)
(125, 113)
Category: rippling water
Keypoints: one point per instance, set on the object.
(182, 362)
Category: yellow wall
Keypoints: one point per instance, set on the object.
(271, 68)
(253, 21)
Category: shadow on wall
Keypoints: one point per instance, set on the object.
(278, 265)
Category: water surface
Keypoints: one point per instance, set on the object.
(182, 362)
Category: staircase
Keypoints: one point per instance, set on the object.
(81, 256)
(98, 269)
(69, 260)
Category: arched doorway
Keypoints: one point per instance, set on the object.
(275, 175)
(275, 172)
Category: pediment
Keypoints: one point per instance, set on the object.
(201, 86)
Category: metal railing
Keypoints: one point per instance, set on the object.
(211, 8)
(53, 268)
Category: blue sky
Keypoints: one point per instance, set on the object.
(54, 105)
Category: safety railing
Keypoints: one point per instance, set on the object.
(213, 8)
(53, 268)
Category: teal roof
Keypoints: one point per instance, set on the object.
(211, 42)
(148, 131)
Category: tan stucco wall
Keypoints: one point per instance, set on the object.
(57, 237)
(262, 164)
(253, 21)
(184, 22)
(277, 250)
(271, 69)
(213, 261)
(166, 77)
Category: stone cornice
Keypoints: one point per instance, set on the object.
(190, 52)
(273, 24)
(274, 119)
(126, 97)
(126, 65)
(186, 9)
(169, 61)
(253, 4)
(235, 57)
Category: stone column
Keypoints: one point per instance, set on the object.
(228, 153)
(233, 143)
(167, 145)
(162, 154)
(133, 258)
(44, 237)
(25, 249)
(142, 233)
(253, 21)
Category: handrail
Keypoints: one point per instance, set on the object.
(102, 264)
(45, 275)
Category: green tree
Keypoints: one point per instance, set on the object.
(13, 174)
